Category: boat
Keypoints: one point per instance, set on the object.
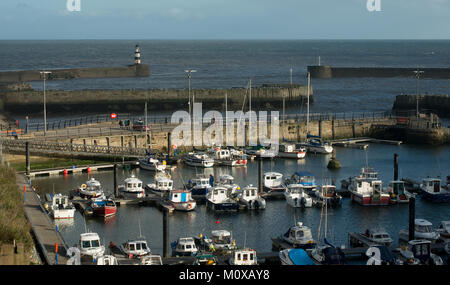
(328, 254)
(315, 144)
(221, 240)
(251, 199)
(59, 206)
(244, 256)
(152, 164)
(198, 160)
(90, 245)
(218, 200)
(184, 247)
(132, 188)
(151, 259)
(295, 256)
(381, 255)
(91, 189)
(423, 229)
(260, 152)
(305, 178)
(444, 231)
(299, 236)
(103, 207)
(199, 186)
(419, 252)
(107, 260)
(162, 183)
(226, 158)
(135, 248)
(297, 197)
(182, 200)
(205, 259)
(377, 236)
(366, 189)
(273, 185)
(398, 192)
(432, 190)
(290, 151)
(328, 193)
(227, 181)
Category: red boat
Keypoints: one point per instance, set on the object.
(366, 189)
(104, 207)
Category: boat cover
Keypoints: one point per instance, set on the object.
(300, 257)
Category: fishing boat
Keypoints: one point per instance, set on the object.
(199, 186)
(90, 245)
(218, 200)
(273, 185)
(398, 192)
(377, 236)
(444, 231)
(244, 256)
(304, 178)
(182, 200)
(91, 189)
(419, 252)
(423, 229)
(315, 144)
(295, 256)
(227, 181)
(290, 151)
(205, 259)
(226, 158)
(221, 240)
(251, 199)
(260, 152)
(59, 206)
(152, 164)
(184, 247)
(103, 207)
(328, 194)
(297, 197)
(432, 190)
(135, 248)
(299, 236)
(198, 160)
(162, 183)
(132, 188)
(366, 189)
(151, 259)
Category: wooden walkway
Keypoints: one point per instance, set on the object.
(42, 226)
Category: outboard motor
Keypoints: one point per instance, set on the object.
(256, 204)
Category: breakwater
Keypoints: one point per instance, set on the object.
(326, 71)
(439, 104)
(265, 97)
(136, 70)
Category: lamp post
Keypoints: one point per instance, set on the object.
(189, 87)
(417, 74)
(44, 73)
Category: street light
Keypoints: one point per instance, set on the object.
(417, 74)
(45, 108)
(189, 87)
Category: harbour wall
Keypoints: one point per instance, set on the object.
(327, 71)
(266, 97)
(439, 104)
(136, 70)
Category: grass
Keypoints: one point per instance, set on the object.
(13, 223)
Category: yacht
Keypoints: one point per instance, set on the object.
(198, 160)
(90, 245)
(297, 197)
(59, 206)
(152, 164)
(132, 188)
(273, 185)
(162, 183)
(184, 247)
(327, 254)
(315, 144)
(290, 151)
(226, 158)
(423, 229)
(432, 190)
(378, 236)
(250, 198)
(135, 248)
(366, 189)
(419, 252)
(299, 236)
(199, 186)
(91, 189)
(218, 200)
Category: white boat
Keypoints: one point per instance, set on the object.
(419, 252)
(199, 186)
(367, 190)
(219, 200)
(198, 160)
(227, 158)
(90, 245)
(432, 190)
(398, 192)
(162, 183)
(151, 259)
(378, 236)
(222, 239)
(227, 181)
(152, 164)
(251, 199)
(295, 256)
(261, 152)
(91, 189)
(184, 247)
(299, 236)
(297, 197)
(273, 184)
(59, 206)
(423, 229)
(444, 231)
(290, 151)
(132, 187)
(243, 257)
(182, 200)
(135, 248)
(315, 144)
(107, 260)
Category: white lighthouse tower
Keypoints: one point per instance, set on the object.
(137, 55)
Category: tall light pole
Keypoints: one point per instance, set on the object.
(189, 87)
(44, 73)
(417, 74)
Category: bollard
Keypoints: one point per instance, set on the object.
(56, 253)
(412, 210)
(165, 232)
(24, 193)
(395, 167)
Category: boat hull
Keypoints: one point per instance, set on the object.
(296, 155)
(63, 214)
(222, 207)
(184, 206)
(436, 198)
(105, 211)
(369, 201)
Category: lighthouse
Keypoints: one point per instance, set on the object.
(137, 55)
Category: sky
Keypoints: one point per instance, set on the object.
(224, 19)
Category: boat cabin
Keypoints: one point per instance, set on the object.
(186, 246)
(272, 179)
(91, 187)
(423, 226)
(90, 245)
(219, 193)
(287, 148)
(222, 239)
(107, 260)
(180, 196)
(249, 193)
(221, 153)
(60, 201)
(244, 257)
(152, 259)
(137, 247)
(163, 183)
(133, 184)
(431, 185)
(225, 179)
(328, 191)
(299, 234)
(201, 182)
(396, 187)
(304, 178)
(378, 236)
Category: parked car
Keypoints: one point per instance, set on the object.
(140, 126)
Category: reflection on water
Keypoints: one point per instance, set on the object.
(259, 226)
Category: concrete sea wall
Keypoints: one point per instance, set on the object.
(341, 72)
(439, 104)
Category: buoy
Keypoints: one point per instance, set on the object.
(65, 172)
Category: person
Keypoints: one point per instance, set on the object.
(211, 180)
(121, 123)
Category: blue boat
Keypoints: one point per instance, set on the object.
(295, 256)
(199, 187)
(432, 190)
(304, 178)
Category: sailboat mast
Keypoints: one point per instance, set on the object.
(226, 107)
(146, 125)
(307, 107)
